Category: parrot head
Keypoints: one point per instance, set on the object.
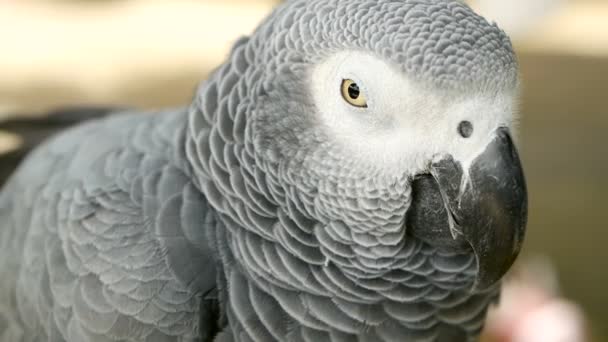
(386, 122)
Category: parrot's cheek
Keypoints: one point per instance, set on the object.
(484, 208)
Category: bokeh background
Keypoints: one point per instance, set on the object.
(151, 54)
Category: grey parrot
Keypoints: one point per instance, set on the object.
(348, 174)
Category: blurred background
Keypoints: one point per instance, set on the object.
(151, 54)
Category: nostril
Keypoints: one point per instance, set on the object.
(465, 128)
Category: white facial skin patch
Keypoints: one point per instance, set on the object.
(406, 124)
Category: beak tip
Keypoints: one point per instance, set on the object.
(491, 269)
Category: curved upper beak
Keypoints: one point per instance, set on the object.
(486, 207)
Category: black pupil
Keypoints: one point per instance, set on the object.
(465, 128)
(353, 91)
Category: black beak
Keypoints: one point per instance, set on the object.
(484, 209)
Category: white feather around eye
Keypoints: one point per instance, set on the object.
(406, 123)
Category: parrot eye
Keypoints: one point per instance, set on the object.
(465, 128)
(352, 94)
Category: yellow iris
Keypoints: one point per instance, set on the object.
(353, 94)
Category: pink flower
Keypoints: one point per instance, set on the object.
(531, 311)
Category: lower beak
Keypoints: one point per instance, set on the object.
(484, 208)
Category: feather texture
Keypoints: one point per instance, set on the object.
(240, 215)
(116, 247)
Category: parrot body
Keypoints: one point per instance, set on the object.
(87, 252)
(266, 210)
(34, 130)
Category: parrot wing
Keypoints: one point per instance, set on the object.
(113, 243)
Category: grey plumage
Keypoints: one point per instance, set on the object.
(34, 130)
(239, 215)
